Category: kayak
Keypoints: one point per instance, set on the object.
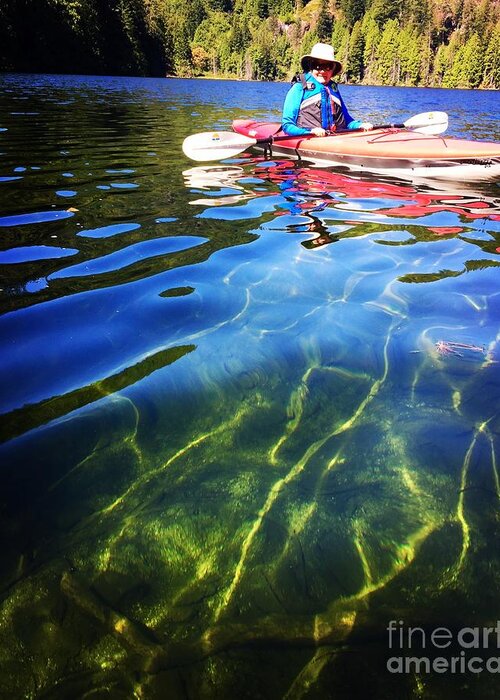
(391, 151)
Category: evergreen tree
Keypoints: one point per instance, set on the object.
(441, 64)
(209, 37)
(353, 11)
(372, 40)
(324, 25)
(384, 10)
(182, 51)
(425, 52)
(388, 61)
(468, 17)
(410, 56)
(491, 71)
(262, 55)
(416, 13)
(451, 77)
(356, 53)
(471, 73)
(340, 31)
(239, 36)
(483, 16)
(195, 17)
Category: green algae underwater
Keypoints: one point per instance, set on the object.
(239, 461)
(261, 543)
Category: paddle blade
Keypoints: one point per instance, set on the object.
(428, 122)
(215, 145)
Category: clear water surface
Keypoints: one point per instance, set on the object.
(249, 410)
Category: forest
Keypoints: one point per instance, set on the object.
(438, 43)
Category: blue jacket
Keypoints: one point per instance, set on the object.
(320, 105)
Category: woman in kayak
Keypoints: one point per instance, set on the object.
(313, 104)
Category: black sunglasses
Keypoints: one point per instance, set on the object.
(322, 66)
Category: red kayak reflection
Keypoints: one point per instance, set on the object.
(365, 201)
(315, 189)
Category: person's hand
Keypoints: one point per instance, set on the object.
(318, 131)
(366, 126)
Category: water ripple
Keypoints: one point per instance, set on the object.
(34, 218)
(31, 253)
(128, 256)
(107, 231)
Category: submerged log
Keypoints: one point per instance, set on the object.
(345, 621)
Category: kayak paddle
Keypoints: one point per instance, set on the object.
(217, 145)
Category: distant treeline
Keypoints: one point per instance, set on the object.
(448, 43)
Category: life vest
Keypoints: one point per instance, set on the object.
(310, 106)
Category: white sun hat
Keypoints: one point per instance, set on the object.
(321, 52)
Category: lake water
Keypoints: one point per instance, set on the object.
(249, 411)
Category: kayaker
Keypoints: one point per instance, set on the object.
(313, 105)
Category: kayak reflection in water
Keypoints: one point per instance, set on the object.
(313, 105)
(311, 199)
(321, 240)
(314, 225)
(305, 205)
